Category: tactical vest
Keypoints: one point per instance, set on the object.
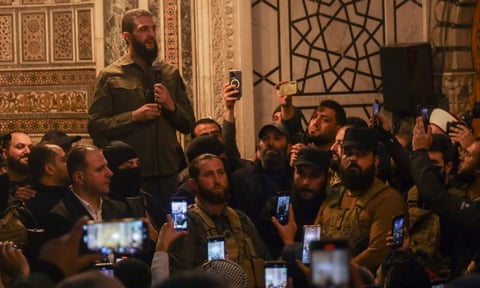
(238, 245)
(343, 223)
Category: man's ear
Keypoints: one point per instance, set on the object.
(126, 36)
(48, 169)
(77, 177)
(193, 183)
(376, 161)
(448, 167)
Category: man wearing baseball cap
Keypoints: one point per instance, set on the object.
(361, 208)
(253, 186)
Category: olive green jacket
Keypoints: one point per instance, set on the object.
(123, 87)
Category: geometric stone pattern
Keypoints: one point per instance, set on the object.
(6, 38)
(69, 99)
(85, 45)
(171, 31)
(349, 61)
(62, 35)
(33, 37)
(47, 78)
(33, 1)
(69, 125)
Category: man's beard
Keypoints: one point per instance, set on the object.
(146, 54)
(213, 197)
(466, 176)
(357, 180)
(298, 191)
(16, 165)
(318, 140)
(273, 159)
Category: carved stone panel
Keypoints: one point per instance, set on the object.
(6, 38)
(62, 22)
(33, 32)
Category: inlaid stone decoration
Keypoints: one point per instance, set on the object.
(62, 22)
(27, 101)
(171, 32)
(85, 51)
(33, 37)
(33, 1)
(6, 38)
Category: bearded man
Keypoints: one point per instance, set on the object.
(361, 208)
(16, 148)
(254, 185)
(210, 216)
(142, 102)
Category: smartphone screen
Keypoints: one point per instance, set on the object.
(310, 233)
(179, 210)
(126, 236)
(105, 269)
(376, 110)
(235, 78)
(215, 248)
(398, 224)
(330, 264)
(283, 202)
(425, 118)
(276, 274)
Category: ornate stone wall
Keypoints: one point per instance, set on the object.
(47, 65)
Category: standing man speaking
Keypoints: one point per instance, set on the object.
(142, 101)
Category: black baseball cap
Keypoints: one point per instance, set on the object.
(279, 127)
(313, 157)
(59, 137)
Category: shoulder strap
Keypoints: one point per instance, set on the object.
(206, 221)
(378, 186)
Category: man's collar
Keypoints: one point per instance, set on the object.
(200, 205)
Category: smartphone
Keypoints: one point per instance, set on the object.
(425, 118)
(283, 202)
(179, 212)
(123, 236)
(330, 264)
(376, 110)
(398, 223)
(288, 88)
(235, 78)
(450, 125)
(105, 269)
(215, 248)
(276, 274)
(310, 233)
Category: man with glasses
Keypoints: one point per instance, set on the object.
(361, 208)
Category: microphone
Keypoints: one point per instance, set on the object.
(157, 72)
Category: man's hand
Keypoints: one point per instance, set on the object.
(163, 97)
(462, 135)
(287, 232)
(229, 96)
(146, 113)
(294, 152)
(421, 140)
(167, 235)
(63, 252)
(12, 261)
(24, 193)
(406, 240)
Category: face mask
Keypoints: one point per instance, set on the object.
(125, 182)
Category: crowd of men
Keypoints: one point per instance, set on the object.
(332, 171)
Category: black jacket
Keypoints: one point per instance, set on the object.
(62, 217)
(464, 213)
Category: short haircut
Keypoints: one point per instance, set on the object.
(356, 121)
(40, 155)
(7, 140)
(205, 121)
(76, 158)
(340, 115)
(441, 143)
(194, 167)
(129, 17)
